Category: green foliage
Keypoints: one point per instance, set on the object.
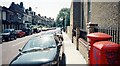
(64, 13)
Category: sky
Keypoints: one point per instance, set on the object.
(49, 8)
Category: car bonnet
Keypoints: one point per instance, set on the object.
(38, 57)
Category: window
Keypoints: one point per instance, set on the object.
(0, 15)
(4, 15)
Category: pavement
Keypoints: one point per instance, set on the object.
(72, 55)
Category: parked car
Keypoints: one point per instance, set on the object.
(35, 30)
(8, 34)
(27, 31)
(49, 32)
(20, 33)
(39, 51)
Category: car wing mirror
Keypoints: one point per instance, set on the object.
(60, 43)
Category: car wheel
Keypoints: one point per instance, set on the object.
(58, 64)
(8, 39)
(20, 36)
(24, 35)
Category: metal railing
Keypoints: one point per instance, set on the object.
(83, 34)
(114, 32)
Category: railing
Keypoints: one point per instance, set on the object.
(115, 33)
(73, 32)
(83, 34)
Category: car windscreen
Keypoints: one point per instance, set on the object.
(40, 43)
(50, 33)
(6, 31)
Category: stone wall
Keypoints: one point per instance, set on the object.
(84, 49)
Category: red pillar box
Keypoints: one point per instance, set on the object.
(98, 36)
(95, 37)
(106, 52)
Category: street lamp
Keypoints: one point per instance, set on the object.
(63, 23)
(65, 20)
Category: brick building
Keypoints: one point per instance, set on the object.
(105, 14)
(18, 10)
(85, 12)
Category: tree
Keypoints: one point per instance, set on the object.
(63, 18)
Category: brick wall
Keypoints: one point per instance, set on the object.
(105, 14)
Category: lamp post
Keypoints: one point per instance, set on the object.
(63, 20)
(63, 24)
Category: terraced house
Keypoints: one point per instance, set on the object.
(17, 17)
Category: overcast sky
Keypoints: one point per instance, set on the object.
(49, 8)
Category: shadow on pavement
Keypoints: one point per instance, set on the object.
(63, 61)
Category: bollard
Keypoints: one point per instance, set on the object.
(95, 37)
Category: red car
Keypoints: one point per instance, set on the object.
(20, 33)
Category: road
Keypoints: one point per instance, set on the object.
(11, 49)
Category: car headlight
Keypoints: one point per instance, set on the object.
(50, 63)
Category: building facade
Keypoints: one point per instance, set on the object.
(17, 17)
(76, 16)
(104, 14)
(4, 18)
(0, 24)
(18, 10)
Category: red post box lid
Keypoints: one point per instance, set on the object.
(98, 36)
(106, 46)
